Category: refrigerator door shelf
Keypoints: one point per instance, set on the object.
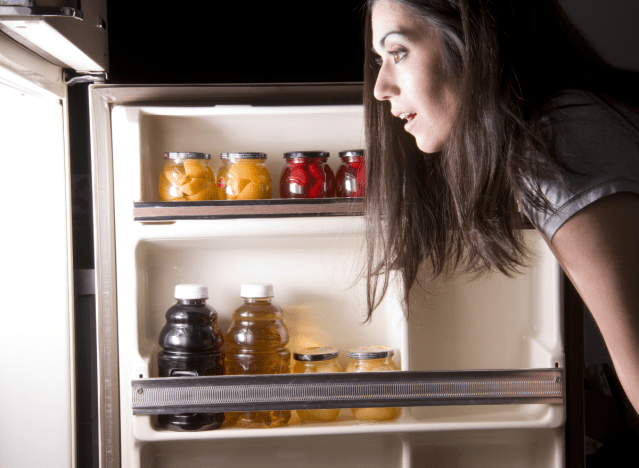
(345, 390)
(273, 208)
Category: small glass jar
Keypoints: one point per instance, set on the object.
(187, 177)
(351, 175)
(244, 176)
(373, 359)
(304, 175)
(317, 361)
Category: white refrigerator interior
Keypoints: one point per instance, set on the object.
(314, 264)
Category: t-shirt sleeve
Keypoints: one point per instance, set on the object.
(600, 148)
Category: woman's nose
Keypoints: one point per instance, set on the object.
(385, 87)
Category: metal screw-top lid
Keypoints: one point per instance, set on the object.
(191, 291)
(351, 153)
(306, 154)
(177, 155)
(243, 156)
(316, 354)
(256, 290)
(371, 352)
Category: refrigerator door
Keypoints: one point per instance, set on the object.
(37, 400)
(313, 258)
(43, 46)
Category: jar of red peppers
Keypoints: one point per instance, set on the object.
(351, 175)
(307, 175)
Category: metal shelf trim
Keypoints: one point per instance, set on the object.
(175, 395)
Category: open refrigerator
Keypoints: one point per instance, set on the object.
(311, 251)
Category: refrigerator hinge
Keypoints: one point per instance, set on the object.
(72, 77)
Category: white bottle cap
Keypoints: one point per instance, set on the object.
(256, 290)
(191, 291)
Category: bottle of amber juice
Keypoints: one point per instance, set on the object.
(257, 345)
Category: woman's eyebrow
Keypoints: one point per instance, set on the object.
(401, 34)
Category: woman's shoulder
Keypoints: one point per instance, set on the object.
(576, 109)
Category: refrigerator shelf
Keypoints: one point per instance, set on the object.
(229, 209)
(174, 395)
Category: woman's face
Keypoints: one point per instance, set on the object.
(412, 75)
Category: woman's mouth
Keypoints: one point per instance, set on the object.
(408, 118)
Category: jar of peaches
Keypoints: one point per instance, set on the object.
(187, 177)
(305, 176)
(372, 359)
(317, 361)
(244, 176)
(351, 175)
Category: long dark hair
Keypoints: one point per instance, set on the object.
(459, 208)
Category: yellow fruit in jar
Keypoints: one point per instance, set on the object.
(252, 191)
(330, 414)
(193, 186)
(376, 414)
(168, 191)
(206, 194)
(196, 168)
(245, 170)
(174, 173)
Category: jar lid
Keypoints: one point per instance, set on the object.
(243, 156)
(370, 352)
(177, 155)
(316, 354)
(351, 153)
(256, 290)
(306, 154)
(191, 291)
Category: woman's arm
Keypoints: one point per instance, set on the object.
(598, 248)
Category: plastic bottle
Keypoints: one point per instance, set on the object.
(191, 343)
(257, 342)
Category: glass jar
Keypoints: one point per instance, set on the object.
(244, 176)
(317, 361)
(351, 175)
(257, 342)
(304, 175)
(187, 177)
(372, 359)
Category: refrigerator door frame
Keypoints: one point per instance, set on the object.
(103, 97)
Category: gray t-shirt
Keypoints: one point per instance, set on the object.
(600, 145)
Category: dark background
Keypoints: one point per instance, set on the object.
(235, 42)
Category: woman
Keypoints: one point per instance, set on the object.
(478, 111)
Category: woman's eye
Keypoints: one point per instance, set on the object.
(397, 55)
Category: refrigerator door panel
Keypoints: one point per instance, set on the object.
(314, 262)
(37, 397)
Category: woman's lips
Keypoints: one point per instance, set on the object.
(409, 118)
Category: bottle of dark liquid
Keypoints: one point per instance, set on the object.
(191, 344)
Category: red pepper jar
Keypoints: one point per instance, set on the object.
(304, 175)
(351, 175)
